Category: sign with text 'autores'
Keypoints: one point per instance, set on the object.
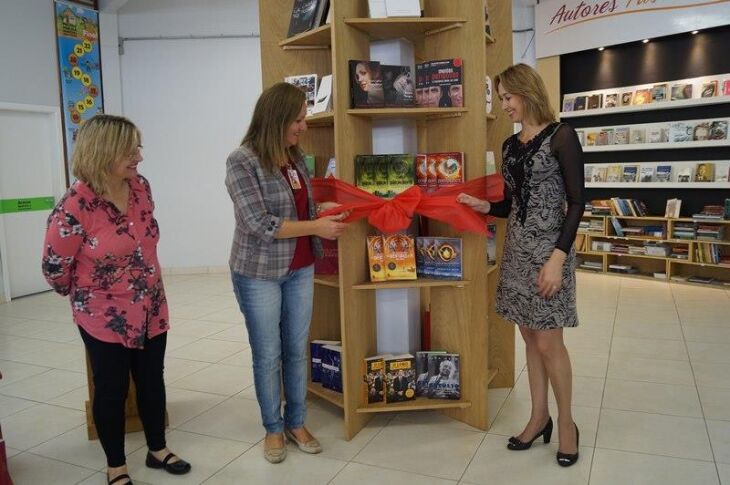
(564, 26)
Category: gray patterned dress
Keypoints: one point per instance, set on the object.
(540, 177)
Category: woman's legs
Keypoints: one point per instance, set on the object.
(110, 364)
(557, 363)
(538, 380)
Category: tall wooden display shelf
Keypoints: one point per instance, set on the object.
(462, 317)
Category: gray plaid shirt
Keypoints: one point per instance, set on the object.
(261, 202)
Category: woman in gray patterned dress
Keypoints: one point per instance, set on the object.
(543, 171)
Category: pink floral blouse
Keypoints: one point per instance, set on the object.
(107, 263)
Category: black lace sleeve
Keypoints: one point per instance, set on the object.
(567, 149)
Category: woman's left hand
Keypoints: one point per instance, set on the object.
(325, 206)
(550, 277)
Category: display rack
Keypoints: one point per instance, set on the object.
(462, 313)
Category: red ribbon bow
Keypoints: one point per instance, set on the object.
(395, 215)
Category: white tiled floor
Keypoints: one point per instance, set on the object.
(652, 400)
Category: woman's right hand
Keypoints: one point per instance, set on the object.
(329, 227)
(478, 205)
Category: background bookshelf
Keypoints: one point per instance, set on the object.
(462, 315)
(675, 269)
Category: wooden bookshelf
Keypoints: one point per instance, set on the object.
(462, 319)
(685, 268)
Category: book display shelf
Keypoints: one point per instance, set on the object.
(670, 253)
(462, 314)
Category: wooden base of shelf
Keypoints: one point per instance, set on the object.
(333, 281)
(419, 283)
(336, 398)
(418, 404)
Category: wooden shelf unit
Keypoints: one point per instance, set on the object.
(462, 319)
(645, 263)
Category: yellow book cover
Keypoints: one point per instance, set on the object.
(400, 257)
(376, 258)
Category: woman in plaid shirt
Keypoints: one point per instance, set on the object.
(272, 259)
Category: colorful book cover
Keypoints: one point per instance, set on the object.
(594, 101)
(638, 135)
(642, 96)
(718, 130)
(627, 98)
(431, 172)
(422, 170)
(647, 174)
(315, 354)
(610, 100)
(401, 173)
(374, 377)
(614, 174)
(681, 91)
(366, 84)
(659, 93)
(444, 380)
(621, 135)
(568, 104)
(400, 378)
(376, 258)
(382, 181)
(422, 376)
(591, 138)
(579, 104)
(449, 168)
(423, 82)
(709, 89)
(726, 87)
(663, 173)
(447, 75)
(308, 84)
(365, 166)
(439, 257)
(705, 172)
(332, 367)
(680, 131)
(398, 89)
(630, 173)
(399, 256)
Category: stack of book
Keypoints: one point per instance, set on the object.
(657, 249)
(389, 378)
(707, 232)
(680, 252)
(592, 265)
(596, 225)
(710, 213)
(622, 268)
(391, 257)
(711, 253)
(684, 230)
(307, 15)
(439, 257)
(385, 175)
(601, 208)
(326, 363)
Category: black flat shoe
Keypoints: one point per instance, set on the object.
(515, 444)
(119, 478)
(179, 467)
(567, 459)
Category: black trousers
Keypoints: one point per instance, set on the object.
(111, 365)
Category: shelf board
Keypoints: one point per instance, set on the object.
(492, 269)
(488, 38)
(336, 398)
(419, 283)
(427, 113)
(326, 118)
(657, 185)
(689, 219)
(418, 404)
(695, 263)
(642, 256)
(683, 103)
(491, 374)
(412, 28)
(670, 145)
(333, 281)
(640, 218)
(321, 38)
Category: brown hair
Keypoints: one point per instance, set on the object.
(102, 141)
(524, 81)
(277, 108)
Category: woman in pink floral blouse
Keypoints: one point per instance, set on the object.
(101, 251)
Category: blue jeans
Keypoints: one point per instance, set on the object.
(278, 314)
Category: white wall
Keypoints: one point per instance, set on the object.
(192, 99)
(523, 43)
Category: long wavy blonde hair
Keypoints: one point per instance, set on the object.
(101, 142)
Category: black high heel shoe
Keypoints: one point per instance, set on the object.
(515, 444)
(567, 459)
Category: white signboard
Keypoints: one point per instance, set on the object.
(564, 26)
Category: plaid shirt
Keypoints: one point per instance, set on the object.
(261, 202)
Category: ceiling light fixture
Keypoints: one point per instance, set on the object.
(601, 48)
(695, 32)
(645, 41)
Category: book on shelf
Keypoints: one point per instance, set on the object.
(723, 175)
(329, 263)
(622, 135)
(705, 172)
(443, 376)
(423, 83)
(376, 259)
(617, 226)
(701, 131)
(614, 173)
(660, 250)
(605, 137)
(598, 174)
(681, 91)
(306, 15)
(705, 280)
(727, 208)
(659, 93)
(594, 101)
(308, 84)
(592, 265)
(647, 174)
(680, 131)
(718, 130)
(374, 378)
(664, 173)
(439, 257)
(622, 268)
(400, 378)
(315, 354)
(365, 167)
(710, 213)
(366, 84)
(399, 256)
(610, 100)
(323, 101)
(422, 375)
(332, 367)
(709, 89)
(401, 172)
(422, 170)
(684, 175)
(627, 98)
(403, 8)
(331, 170)
(642, 96)
(488, 94)
(449, 168)
(398, 89)
(657, 134)
(491, 164)
(630, 174)
(673, 208)
(660, 275)
(447, 75)
(568, 103)
(309, 162)
(601, 207)
(591, 137)
(638, 135)
(726, 87)
(580, 103)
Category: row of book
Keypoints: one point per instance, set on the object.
(677, 131)
(712, 254)
(650, 230)
(388, 175)
(644, 95)
(401, 257)
(701, 172)
(397, 378)
(326, 363)
(618, 207)
(307, 15)
(318, 95)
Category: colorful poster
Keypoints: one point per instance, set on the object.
(79, 63)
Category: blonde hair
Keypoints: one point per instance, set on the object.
(276, 109)
(102, 141)
(524, 81)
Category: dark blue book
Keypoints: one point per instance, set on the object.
(315, 354)
(332, 367)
